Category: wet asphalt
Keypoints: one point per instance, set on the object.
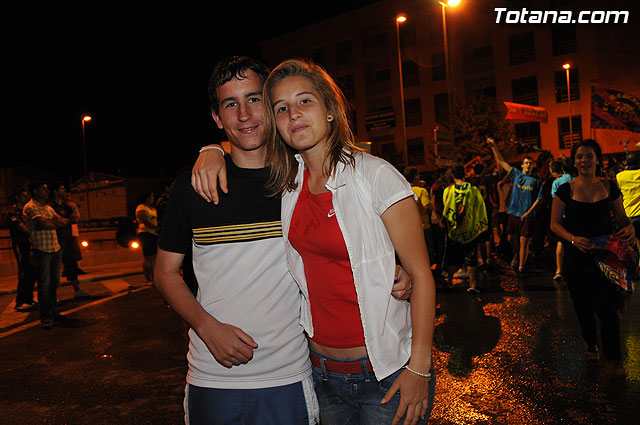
(510, 355)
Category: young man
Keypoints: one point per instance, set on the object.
(524, 199)
(68, 236)
(22, 250)
(629, 182)
(248, 359)
(466, 217)
(42, 222)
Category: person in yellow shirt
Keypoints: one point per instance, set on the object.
(424, 206)
(629, 182)
(147, 218)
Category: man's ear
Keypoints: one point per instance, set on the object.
(217, 119)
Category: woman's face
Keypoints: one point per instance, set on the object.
(585, 161)
(301, 116)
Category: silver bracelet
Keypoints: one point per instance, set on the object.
(424, 375)
(212, 147)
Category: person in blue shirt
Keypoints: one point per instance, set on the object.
(525, 198)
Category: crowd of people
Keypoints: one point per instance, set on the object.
(43, 225)
(567, 208)
(516, 220)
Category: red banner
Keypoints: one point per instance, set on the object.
(517, 111)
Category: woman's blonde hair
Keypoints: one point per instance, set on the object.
(280, 156)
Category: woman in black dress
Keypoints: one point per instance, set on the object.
(584, 208)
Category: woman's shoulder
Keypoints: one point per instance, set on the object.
(365, 162)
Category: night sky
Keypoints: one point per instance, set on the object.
(140, 71)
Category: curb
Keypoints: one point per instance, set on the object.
(83, 280)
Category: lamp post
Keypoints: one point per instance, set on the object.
(405, 154)
(445, 4)
(85, 119)
(567, 67)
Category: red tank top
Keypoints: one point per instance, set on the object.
(315, 234)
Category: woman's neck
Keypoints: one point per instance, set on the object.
(315, 163)
(589, 179)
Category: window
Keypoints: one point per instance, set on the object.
(441, 106)
(413, 112)
(347, 85)
(410, 74)
(415, 151)
(438, 69)
(408, 33)
(478, 60)
(344, 52)
(375, 43)
(528, 133)
(479, 88)
(563, 39)
(318, 56)
(525, 91)
(521, 48)
(378, 81)
(569, 136)
(561, 85)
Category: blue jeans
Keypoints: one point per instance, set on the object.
(48, 272)
(288, 404)
(354, 399)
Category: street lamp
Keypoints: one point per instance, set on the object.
(567, 67)
(400, 19)
(444, 5)
(85, 119)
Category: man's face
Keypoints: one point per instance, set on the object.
(60, 192)
(527, 165)
(41, 194)
(240, 113)
(23, 198)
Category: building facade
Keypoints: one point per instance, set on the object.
(513, 62)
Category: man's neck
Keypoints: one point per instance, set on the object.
(249, 159)
(458, 182)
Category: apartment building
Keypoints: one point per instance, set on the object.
(512, 62)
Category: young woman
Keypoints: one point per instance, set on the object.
(587, 203)
(345, 214)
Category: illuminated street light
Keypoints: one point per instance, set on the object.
(134, 245)
(445, 4)
(567, 67)
(85, 118)
(85, 244)
(400, 19)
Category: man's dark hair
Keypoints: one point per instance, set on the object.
(458, 172)
(633, 159)
(35, 185)
(410, 174)
(55, 185)
(557, 166)
(229, 68)
(478, 168)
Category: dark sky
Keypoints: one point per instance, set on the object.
(140, 71)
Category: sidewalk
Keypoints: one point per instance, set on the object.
(8, 284)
